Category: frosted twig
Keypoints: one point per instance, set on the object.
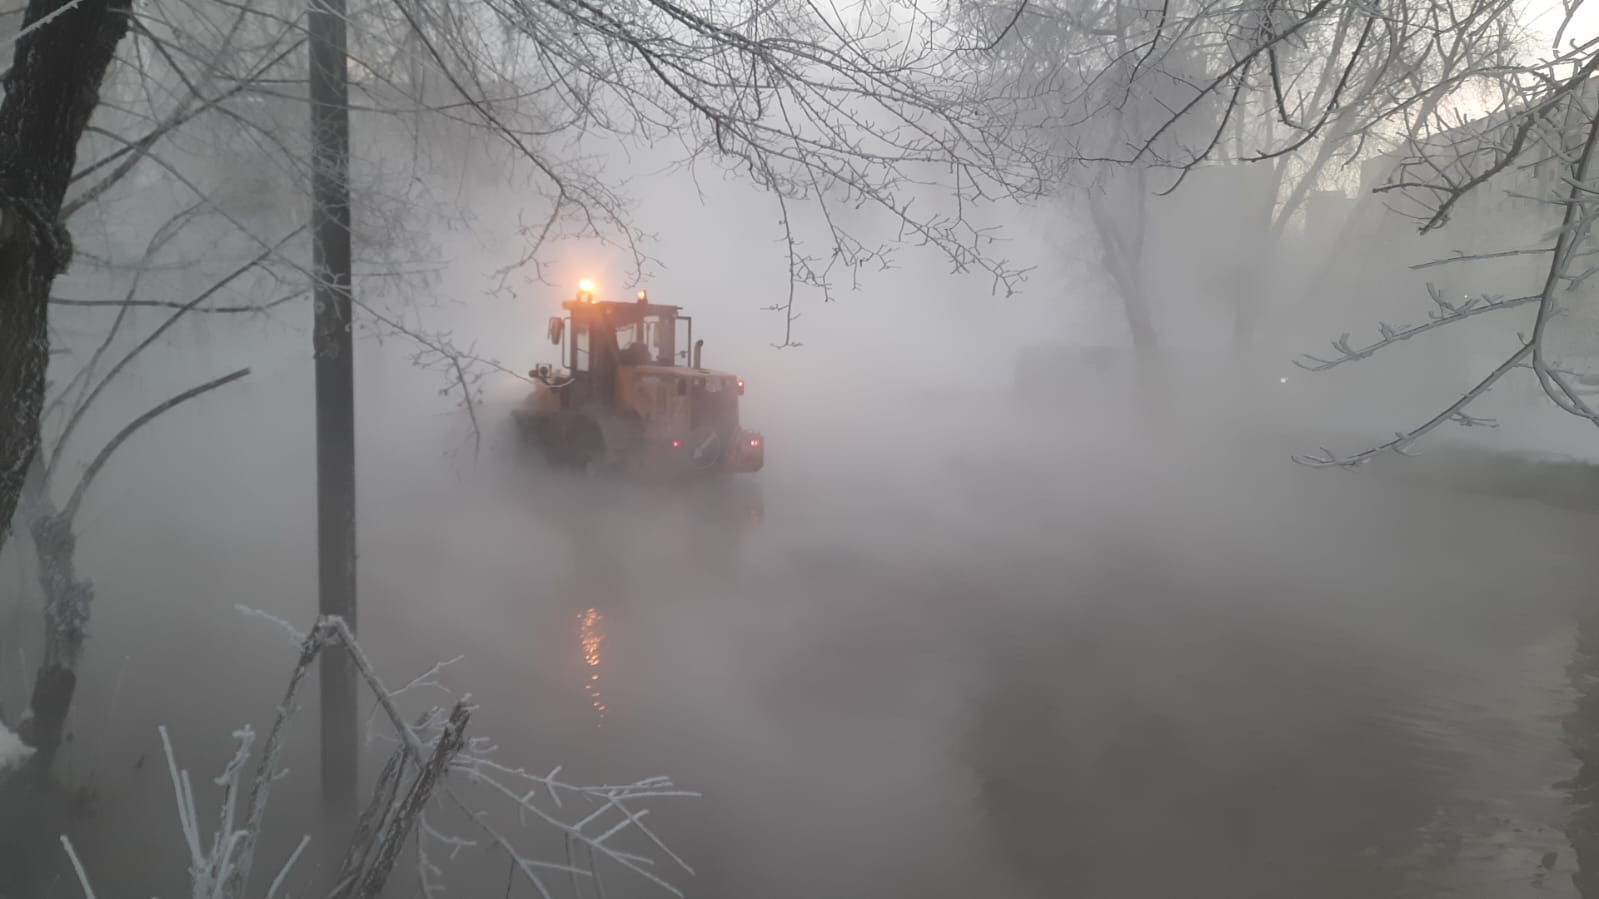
(174, 304)
(428, 678)
(283, 872)
(435, 747)
(1447, 313)
(1458, 257)
(288, 628)
(1576, 226)
(455, 844)
(372, 857)
(1402, 441)
(628, 860)
(39, 23)
(67, 430)
(210, 872)
(337, 626)
(528, 867)
(77, 868)
(186, 815)
(266, 770)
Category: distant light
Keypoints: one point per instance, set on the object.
(1282, 380)
(677, 443)
(755, 443)
(586, 285)
(643, 296)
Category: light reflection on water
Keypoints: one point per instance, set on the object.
(591, 634)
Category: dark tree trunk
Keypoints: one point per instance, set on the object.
(1581, 726)
(24, 352)
(52, 89)
(1122, 242)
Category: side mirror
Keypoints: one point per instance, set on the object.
(557, 329)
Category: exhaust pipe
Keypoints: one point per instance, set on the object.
(698, 345)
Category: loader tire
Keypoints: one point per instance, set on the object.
(584, 445)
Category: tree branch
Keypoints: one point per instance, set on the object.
(1402, 441)
(131, 427)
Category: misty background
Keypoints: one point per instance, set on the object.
(960, 635)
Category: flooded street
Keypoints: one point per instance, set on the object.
(1001, 326)
(916, 664)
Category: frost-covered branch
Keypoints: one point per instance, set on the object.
(464, 368)
(155, 334)
(249, 309)
(871, 111)
(443, 764)
(1404, 440)
(77, 867)
(100, 459)
(1575, 229)
(1574, 148)
(1446, 313)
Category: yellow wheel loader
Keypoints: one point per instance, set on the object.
(630, 395)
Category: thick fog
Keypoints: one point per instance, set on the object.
(954, 639)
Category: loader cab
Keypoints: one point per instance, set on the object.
(601, 338)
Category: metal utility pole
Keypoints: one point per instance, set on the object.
(333, 345)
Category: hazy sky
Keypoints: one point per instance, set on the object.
(1546, 16)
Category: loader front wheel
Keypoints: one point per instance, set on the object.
(584, 444)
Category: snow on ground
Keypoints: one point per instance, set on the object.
(13, 751)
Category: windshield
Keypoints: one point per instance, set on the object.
(645, 341)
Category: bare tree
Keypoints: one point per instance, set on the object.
(52, 88)
(1140, 94)
(1536, 144)
(160, 100)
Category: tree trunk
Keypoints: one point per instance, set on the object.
(1122, 246)
(24, 352)
(51, 90)
(67, 599)
(1257, 275)
(1151, 382)
(1582, 790)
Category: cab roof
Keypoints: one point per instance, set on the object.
(633, 307)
